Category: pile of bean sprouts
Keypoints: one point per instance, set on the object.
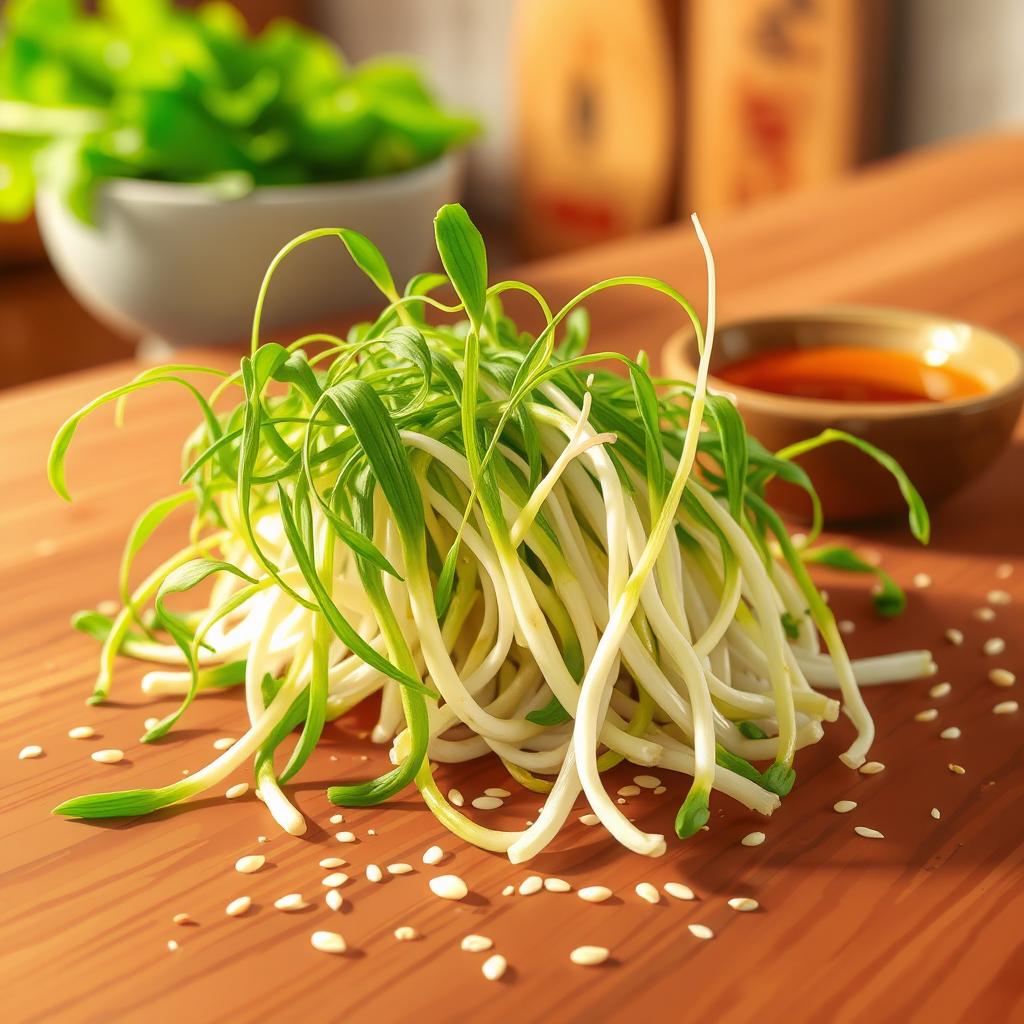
(518, 551)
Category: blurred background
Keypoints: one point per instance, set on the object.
(600, 118)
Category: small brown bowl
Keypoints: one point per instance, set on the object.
(941, 445)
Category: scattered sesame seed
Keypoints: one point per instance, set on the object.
(928, 715)
(434, 855)
(293, 901)
(871, 768)
(1004, 571)
(744, 904)
(660, 789)
(333, 862)
(647, 892)
(753, 839)
(1002, 677)
(589, 819)
(557, 885)
(399, 869)
(33, 750)
(993, 646)
(678, 891)
(181, 919)
(846, 626)
(620, 799)
(589, 956)
(455, 798)
(406, 933)
(224, 743)
(345, 837)
(81, 732)
(936, 813)
(940, 690)
(253, 862)
(647, 781)
(594, 893)
(262, 839)
(494, 967)
(508, 890)
(110, 756)
(334, 899)
(239, 789)
(984, 614)
(498, 792)
(629, 791)
(530, 885)
(957, 769)
(172, 945)
(1006, 707)
(371, 831)
(476, 944)
(150, 723)
(998, 597)
(955, 637)
(328, 942)
(844, 806)
(448, 887)
(236, 908)
(333, 880)
(487, 803)
(374, 873)
(922, 580)
(700, 931)
(951, 733)
(868, 833)
(337, 819)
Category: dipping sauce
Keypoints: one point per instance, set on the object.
(850, 374)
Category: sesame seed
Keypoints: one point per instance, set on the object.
(33, 750)
(844, 806)
(293, 901)
(374, 873)
(253, 862)
(328, 942)
(224, 743)
(993, 646)
(476, 944)
(81, 732)
(871, 768)
(753, 839)
(530, 885)
(181, 919)
(333, 880)
(406, 933)
(111, 756)
(448, 887)
(557, 885)
(660, 789)
(236, 908)
(433, 855)
(333, 862)
(501, 794)
(1004, 571)
(955, 637)
(868, 833)
(455, 798)
(589, 956)
(846, 626)
(494, 967)
(678, 891)
(150, 723)
(700, 931)
(337, 819)
(744, 904)
(589, 819)
(508, 890)
(940, 690)
(952, 733)
(936, 813)
(345, 837)
(1002, 677)
(647, 781)
(1006, 707)
(928, 715)
(629, 791)
(172, 945)
(984, 614)
(957, 769)
(487, 803)
(594, 893)
(262, 839)
(371, 832)
(239, 789)
(399, 869)
(922, 580)
(648, 893)
(334, 899)
(998, 597)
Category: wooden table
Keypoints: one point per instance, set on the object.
(923, 925)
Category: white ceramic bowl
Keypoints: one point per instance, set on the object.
(177, 262)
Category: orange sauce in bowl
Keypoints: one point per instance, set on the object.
(850, 374)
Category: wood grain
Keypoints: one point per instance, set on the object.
(922, 925)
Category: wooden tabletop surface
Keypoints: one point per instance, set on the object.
(925, 924)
